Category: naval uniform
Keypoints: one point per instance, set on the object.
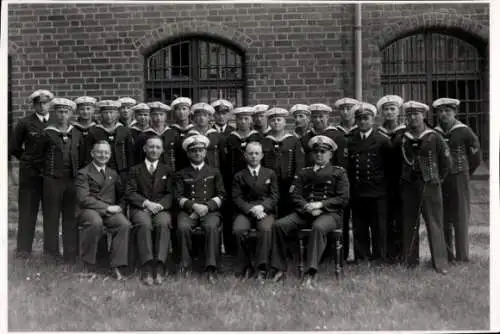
(193, 186)
(426, 162)
(338, 157)
(369, 158)
(466, 157)
(61, 154)
(26, 145)
(84, 149)
(215, 149)
(329, 185)
(286, 157)
(225, 130)
(180, 133)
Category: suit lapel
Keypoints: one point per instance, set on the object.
(95, 175)
(159, 173)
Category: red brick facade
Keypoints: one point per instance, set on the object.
(294, 53)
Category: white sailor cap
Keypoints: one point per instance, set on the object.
(181, 100)
(303, 108)
(246, 110)
(222, 104)
(108, 104)
(276, 112)
(195, 141)
(345, 101)
(41, 95)
(85, 100)
(363, 108)
(320, 107)
(415, 105)
(127, 101)
(322, 142)
(260, 108)
(390, 99)
(62, 102)
(202, 106)
(158, 106)
(140, 107)
(445, 101)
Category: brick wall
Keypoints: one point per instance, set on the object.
(295, 53)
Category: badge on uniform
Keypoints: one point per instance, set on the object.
(243, 144)
(268, 181)
(111, 137)
(163, 177)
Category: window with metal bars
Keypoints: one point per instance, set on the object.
(429, 65)
(201, 68)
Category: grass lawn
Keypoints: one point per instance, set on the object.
(45, 296)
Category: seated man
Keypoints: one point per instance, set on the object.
(149, 193)
(319, 194)
(255, 195)
(99, 195)
(200, 191)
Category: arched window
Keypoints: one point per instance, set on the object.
(430, 65)
(203, 69)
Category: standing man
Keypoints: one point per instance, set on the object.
(60, 152)
(141, 115)
(389, 106)
(181, 107)
(255, 195)
(100, 197)
(260, 119)
(426, 162)
(369, 155)
(319, 194)
(222, 109)
(150, 194)
(199, 190)
(283, 154)
(466, 157)
(25, 144)
(85, 109)
(301, 114)
(126, 111)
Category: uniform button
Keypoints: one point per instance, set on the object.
(324, 196)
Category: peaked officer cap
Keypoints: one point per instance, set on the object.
(41, 95)
(195, 141)
(390, 99)
(86, 100)
(322, 142)
(222, 104)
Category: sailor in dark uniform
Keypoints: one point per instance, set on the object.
(389, 107)
(302, 115)
(126, 112)
(426, 163)
(260, 120)
(319, 194)
(25, 145)
(284, 154)
(181, 107)
(85, 109)
(222, 109)
(141, 115)
(466, 157)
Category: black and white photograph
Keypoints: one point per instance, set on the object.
(249, 166)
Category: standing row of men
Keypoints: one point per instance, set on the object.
(390, 168)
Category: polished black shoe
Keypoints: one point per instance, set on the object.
(278, 276)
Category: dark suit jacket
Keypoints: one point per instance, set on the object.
(95, 192)
(247, 192)
(143, 186)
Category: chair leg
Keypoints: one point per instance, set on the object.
(339, 256)
(301, 258)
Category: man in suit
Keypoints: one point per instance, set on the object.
(369, 158)
(255, 194)
(199, 190)
(319, 194)
(222, 109)
(25, 145)
(466, 157)
(150, 194)
(100, 198)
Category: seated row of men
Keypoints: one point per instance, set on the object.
(386, 165)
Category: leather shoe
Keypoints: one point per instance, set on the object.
(278, 276)
(117, 274)
(147, 278)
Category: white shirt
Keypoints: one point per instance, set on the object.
(317, 167)
(256, 169)
(220, 128)
(154, 164)
(43, 118)
(103, 168)
(198, 167)
(365, 135)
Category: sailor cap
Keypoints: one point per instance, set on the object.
(363, 108)
(246, 110)
(202, 106)
(345, 101)
(181, 100)
(260, 108)
(390, 99)
(304, 108)
(158, 106)
(415, 105)
(277, 112)
(320, 107)
(140, 107)
(127, 101)
(222, 104)
(108, 104)
(62, 102)
(445, 101)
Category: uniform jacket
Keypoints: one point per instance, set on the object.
(234, 150)
(464, 147)
(122, 148)
(95, 191)
(227, 130)
(169, 140)
(285, 156)
(181, 159)
(264, 191)
(329, 185)
(427, 154)
(52, 144)
(143, 186)
(368, 164)
(199, 187)
(85, 144)
(394, 170)
(215, 149)
(339, 156)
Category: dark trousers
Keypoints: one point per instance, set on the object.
(153, 235)
(29, 198)
(285, 205)
(228, 214)
(426, 198)
(210, 224)
(395, 225)
(60, 200)
(92, 228)
(345, 230)
(369, 218)
(320, 227)
(456, 213)
(243, 224)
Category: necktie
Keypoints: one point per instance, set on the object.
(254, 174)
(103, 173)
(44, 120)
(151, 169)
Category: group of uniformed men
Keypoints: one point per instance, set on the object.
(123, 169)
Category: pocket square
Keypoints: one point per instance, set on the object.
(163, 177)
(268, 181)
